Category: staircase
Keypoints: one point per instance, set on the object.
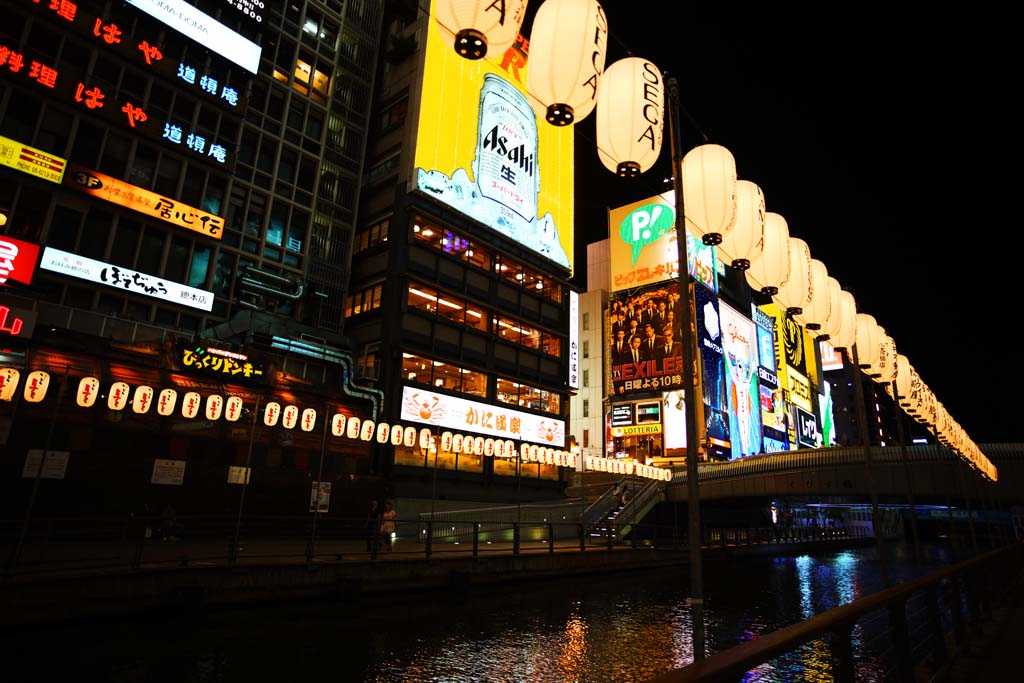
(608, 520)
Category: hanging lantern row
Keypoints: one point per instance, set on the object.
(214, 406)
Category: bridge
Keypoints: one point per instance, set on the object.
(936, 476)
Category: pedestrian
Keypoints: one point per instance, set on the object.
(372, 522)
(388, 525)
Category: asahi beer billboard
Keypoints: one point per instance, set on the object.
(481, 150)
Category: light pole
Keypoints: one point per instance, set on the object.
(693, 440)
(233, 553)
(311, 547)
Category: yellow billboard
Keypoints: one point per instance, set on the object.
(481, 150)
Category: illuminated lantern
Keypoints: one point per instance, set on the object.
(36, 384)
(740, 244)
(271, 413)
(166, 402)
(366, 433)
(8, 383)
(456, 444)
(190, 403)
(117, 398)
(818, 304)
(446, 441)
(489, 447)
(88, 390)
(383, 432)
(397, 435)
(867, 340)
(352, 431)
(830, 325)
(233, 409)
(903, 376)
(214, 407)
(568, 43)
(289, 416)
(883, 371)
(708, 175)
(846, 334)
(793, 290)
(338, 424)
(630, 116)
(769, 266)
(478, 445)
(142, 399)
(409, 438)
(426, 439)
(308, 419)
(476, 28)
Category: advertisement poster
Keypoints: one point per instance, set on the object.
(674, 416)
(646, 352)
(739, 355)
(828, 423)
(481, 150)
(709, 344)
(320, 497)
(643, 248)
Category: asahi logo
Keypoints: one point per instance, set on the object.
(518, 155)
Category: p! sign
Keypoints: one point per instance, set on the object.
(646, 224)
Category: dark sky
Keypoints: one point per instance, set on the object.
(886, 143)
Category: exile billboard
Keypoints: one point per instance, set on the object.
(646, 354)
(481, 150)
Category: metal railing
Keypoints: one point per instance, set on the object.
(930, 619)
(57, 545)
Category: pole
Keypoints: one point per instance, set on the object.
(901, 435)
(233, 551)
(311, 546)
(519, 502)
(866, 440)
(689, 336)
(16, 553)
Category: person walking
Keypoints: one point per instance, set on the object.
(388, 525)
(372, 524)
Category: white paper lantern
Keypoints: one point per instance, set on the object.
(630, 116)
(867, 340)
(190, 404)
(830, 325)
(271, 413)
(8, 383)
(166, 402)
(818, 304)
(792, 294)
(769, 267)
(36, 384)
(88, 390)
(233, 408)
(308, 419)
(740, 244)
(708, 176)
(289, 416)
(477, 28)
(117, 397)
(568, 42)
(142, 399)
(846, 332)
(214, 407)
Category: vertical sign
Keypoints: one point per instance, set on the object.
(574, 340)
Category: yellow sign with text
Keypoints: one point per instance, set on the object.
(636, 430)
(30, 160)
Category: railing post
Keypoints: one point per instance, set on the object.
(476, 539)
(901, 641)
(841, 649)
(551, 538)
(430, 540)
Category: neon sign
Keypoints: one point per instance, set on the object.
(17, 260)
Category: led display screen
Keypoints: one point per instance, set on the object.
(643, 249)
(739, 355)
(709, 343)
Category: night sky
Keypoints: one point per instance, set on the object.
(885, 142)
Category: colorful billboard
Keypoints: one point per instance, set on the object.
(646, 352)
(481, 150)
(739, 355)
(30, 160)
(709, 344)
(643, 249)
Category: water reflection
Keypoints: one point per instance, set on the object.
(612, 629)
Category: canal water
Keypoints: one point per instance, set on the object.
(606, 629)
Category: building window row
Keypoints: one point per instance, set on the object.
(426, 299)
(369, 237)
(363, 301)
(441, 375)
(526, 396)
(473, 252)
